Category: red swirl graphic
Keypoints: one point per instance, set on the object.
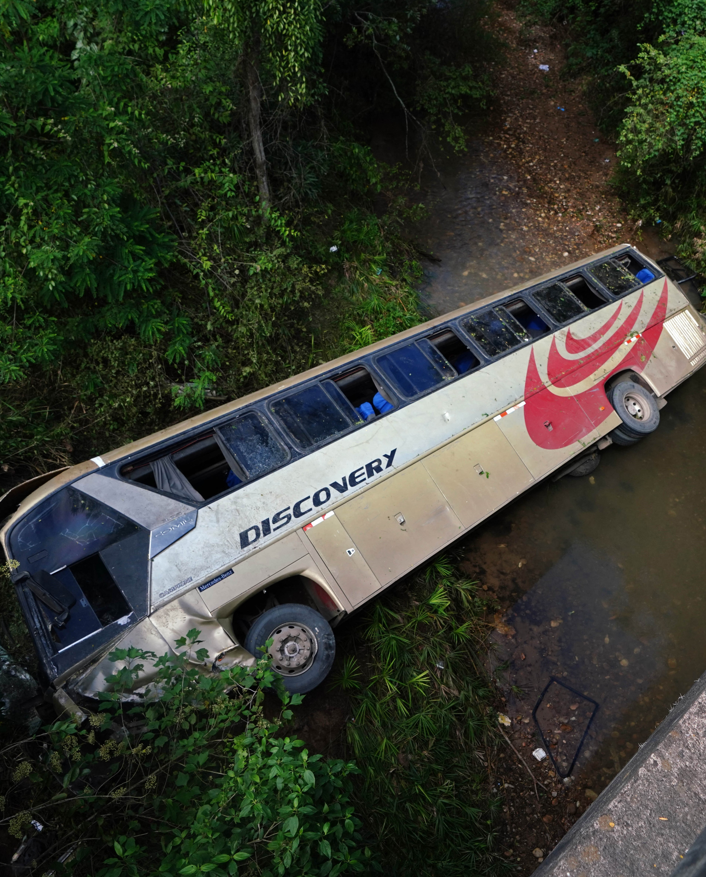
(555, 421)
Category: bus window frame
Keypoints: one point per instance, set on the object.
(553, 320)
(413, 342)
(187, 439)
(523, 296)
(385, 384)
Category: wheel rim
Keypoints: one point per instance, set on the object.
(635, 407)
(293, 648)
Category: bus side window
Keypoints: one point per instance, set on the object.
(454, 351)
(363, 393)
(202, 464)
(630, 263)
(253, 443)
(310, 416)
(411, 371)
(586, 294)
(560, 302)
(529, 319)
(615, 277)
(195, 471)
(495, 331)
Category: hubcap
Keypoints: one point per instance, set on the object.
(293, 649)
(634, 407)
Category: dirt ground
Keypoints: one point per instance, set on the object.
(563, 162)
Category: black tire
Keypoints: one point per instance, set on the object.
(622, 437)
(636, 407)
(587, 464)
(301, 626)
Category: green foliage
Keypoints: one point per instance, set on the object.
(421, 728)
(137, 278)
(286, 36)
(663, 136)
(14, 636)
(432, 59)
(199, 781)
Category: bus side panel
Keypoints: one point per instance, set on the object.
(343, 558)
(549, 429)
(677, 351)
(251, 572)
(400, 522)
(478, 473)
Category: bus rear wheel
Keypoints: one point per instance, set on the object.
(637, 408)
(303, 645)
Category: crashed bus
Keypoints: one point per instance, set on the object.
(272, 518)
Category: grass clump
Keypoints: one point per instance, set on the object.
(423, 727)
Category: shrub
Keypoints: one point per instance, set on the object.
(197, 781)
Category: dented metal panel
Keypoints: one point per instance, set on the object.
(251, 572)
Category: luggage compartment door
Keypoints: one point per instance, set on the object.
(400, 522)
(547, 430)
(342, 557)
(478, 473)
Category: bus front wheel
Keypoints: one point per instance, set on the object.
(303, 645)
(637, 408)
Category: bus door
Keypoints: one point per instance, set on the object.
(478, 473)
(547, 429)
(343, 557)
(399, 522)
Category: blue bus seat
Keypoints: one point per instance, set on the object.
(366, 411)
(381, 403)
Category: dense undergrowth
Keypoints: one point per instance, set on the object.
(206, 779)
(646, 63)
(189, 209)
(202, 780)
(422, 727)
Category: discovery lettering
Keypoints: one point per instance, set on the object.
(318, 498)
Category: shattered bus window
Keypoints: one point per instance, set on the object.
(69, 527)
(614, 277)
(496, 331)
(254, 444)
(411, 371)
(310, 416)
(560, 302)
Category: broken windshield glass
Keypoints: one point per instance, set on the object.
(66, 528)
